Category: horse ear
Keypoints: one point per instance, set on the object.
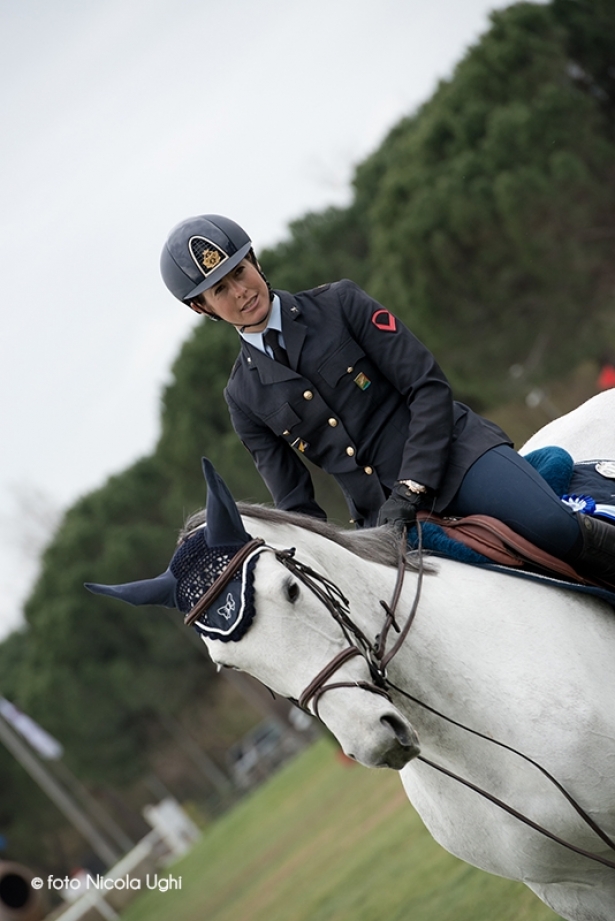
(224, 528)
(224, 524)
(160, 590)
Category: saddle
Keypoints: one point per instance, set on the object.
(498, 543)
(481, 540)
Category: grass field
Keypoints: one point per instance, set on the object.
(328, 841)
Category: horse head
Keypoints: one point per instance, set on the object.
(256, 612)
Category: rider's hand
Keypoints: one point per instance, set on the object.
(400, 508)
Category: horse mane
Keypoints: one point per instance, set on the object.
(380, 545)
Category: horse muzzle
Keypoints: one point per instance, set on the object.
(374, 734)
(404, 742)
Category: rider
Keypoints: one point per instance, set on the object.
(333, 375)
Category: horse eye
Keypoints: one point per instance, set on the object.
(292, 590)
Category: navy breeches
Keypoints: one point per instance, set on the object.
(504, 485)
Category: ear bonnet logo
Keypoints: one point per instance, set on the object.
(228, 609)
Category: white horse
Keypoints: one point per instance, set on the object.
(514, 661)
(587, 432)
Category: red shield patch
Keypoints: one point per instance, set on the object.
(384, 320)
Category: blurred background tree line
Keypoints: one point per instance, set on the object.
(486, 221)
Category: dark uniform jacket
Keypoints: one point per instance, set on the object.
(363, 399)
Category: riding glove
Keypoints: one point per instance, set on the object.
(400, 508)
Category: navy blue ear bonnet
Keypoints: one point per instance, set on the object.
(196, 564)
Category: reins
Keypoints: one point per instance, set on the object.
(378, 659)
(381, 656)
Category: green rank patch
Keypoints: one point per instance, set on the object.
(362, 381)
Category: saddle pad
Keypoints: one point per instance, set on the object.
(497, 543)
(481, 540)
(513, 555)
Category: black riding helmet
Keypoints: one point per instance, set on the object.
(199, 252)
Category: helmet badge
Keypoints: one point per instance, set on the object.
(211, 258)
(206, 255)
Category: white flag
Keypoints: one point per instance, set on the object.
(46, 746)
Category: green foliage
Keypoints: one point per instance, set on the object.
(321, 248)
(489, 209)
(195, 423)
(589, 29)
(12, 654)
(24, 808)
(95, 673)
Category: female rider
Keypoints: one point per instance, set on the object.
(333, 375)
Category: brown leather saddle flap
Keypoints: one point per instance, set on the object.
(499, 543)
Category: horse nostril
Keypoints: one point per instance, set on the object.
(401, 730)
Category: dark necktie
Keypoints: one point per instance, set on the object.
(271, 339)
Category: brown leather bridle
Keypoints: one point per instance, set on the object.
(377, 658)
(227, 575)
(374, 653)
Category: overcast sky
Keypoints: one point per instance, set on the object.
(119, 119)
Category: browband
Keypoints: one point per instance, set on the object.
(222, 581)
